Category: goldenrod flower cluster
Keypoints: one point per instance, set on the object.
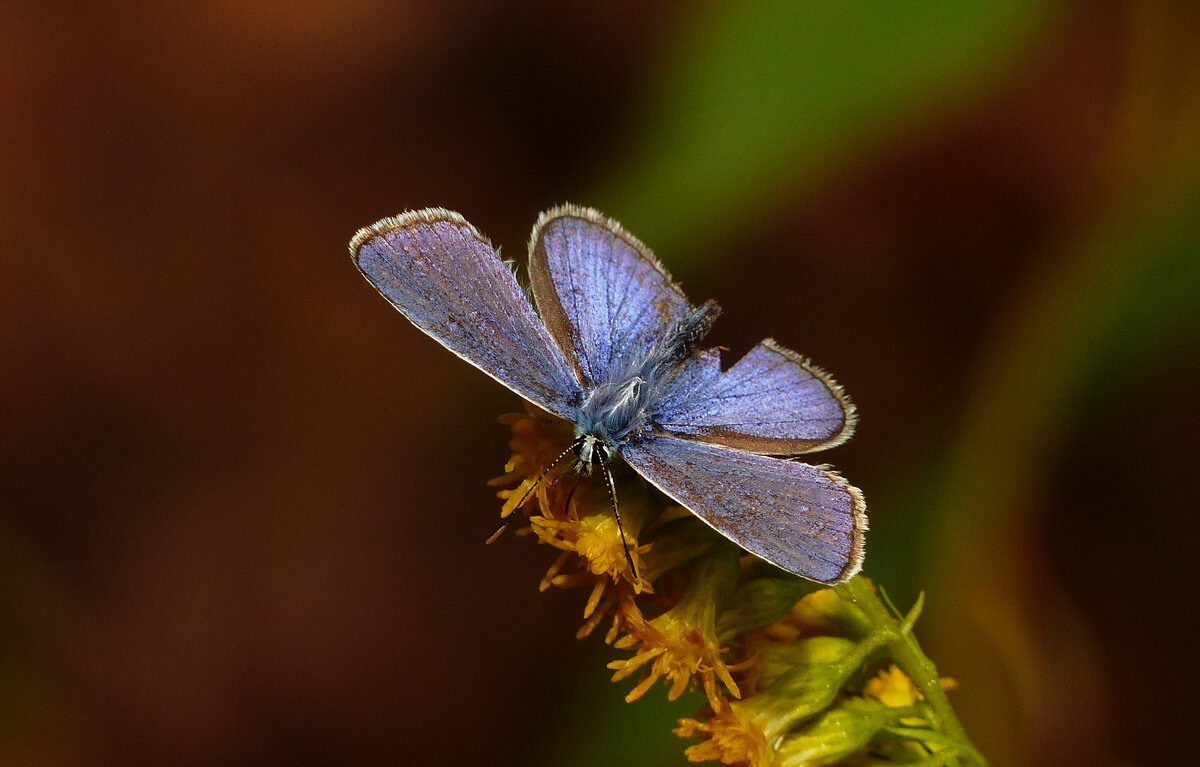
(795, 673)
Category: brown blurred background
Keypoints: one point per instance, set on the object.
(242, 501)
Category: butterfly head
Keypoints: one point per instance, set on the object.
(591, 452)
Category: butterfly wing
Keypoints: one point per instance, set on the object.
(772, 401)
(602, 294)
(805, 519)
(446, 278)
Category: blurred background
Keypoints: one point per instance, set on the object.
(242, 500)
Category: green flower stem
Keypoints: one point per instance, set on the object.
(916, 665)
(952, 747)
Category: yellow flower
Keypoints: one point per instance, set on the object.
(893, 688)
(576, 515)
(728, 738)
(680, 646)
(537, 440)
(594, 551)
(590, 530)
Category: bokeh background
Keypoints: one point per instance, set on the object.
(242, 501)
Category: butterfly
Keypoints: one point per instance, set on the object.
(614, 348)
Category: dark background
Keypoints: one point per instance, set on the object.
(242, 501)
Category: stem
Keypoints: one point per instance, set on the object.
(908, 655)
(951, 747)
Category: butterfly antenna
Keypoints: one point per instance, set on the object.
(612, 496)
(574, 485)
(504, 526)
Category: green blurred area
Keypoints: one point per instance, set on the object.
(765, 99)
(778, 98)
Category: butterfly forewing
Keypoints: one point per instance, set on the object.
(772, 401)
(805, 519)
(601, 293)
(449, 281)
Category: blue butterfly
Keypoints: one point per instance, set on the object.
(614, 348)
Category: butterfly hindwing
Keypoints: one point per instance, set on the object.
(446, 278)
(805, 519)
(772, 401)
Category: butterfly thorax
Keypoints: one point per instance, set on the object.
(615, 411)
(610, 414)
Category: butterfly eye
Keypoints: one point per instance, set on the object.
(591, 451)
